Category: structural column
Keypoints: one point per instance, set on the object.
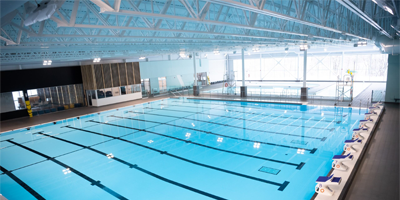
(243, 88)
(27, 102)
(304, 90)
(196, 89)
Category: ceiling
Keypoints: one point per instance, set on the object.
(128, 29)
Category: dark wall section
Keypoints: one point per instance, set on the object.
(39, 78)
(14, 114)
(36, 78)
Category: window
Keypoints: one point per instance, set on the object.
(32, 92)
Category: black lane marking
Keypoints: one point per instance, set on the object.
(21, 183)
(253, 113)
(210, 147)
(251, 129)
(209, 132)
(258, 108)
(203, 113)
(238, 118)
(134, 166)
(183, 159)
(92, 181)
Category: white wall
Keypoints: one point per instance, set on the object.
(171, 69)
(216, 69)
(7, 102)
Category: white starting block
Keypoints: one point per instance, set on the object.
(323, 182)
(370, 114)
(348, 145)
(372, 109)
(357, 132)
(377, 104)
(339, 159)
(363, 123)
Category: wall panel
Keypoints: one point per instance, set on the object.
(136, 73)
(122, 74)
(115, 75)
(98, 73)
(130, 75)
(107, 75)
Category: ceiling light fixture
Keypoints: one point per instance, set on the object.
(303, 47)
(142, 58)
(47, 62)
(389, 10)
(360, 44)
(96, 59)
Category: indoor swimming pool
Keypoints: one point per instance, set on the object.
(177, 149)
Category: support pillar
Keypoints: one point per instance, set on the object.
(196, 89)
(243, 88)
(304, 90)
(27, 103)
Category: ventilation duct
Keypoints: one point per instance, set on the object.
(43, 11)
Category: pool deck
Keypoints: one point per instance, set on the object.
(378, 174)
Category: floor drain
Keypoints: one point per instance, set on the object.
(269, 170)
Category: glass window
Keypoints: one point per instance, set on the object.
(108, 92)
(123, 90)
(101, 93)
(19, 100)
(32, 92)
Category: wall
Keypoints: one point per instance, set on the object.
(170, 69)
(17, 80)
(39, 78)
(393, 79)
(217, 69)
(7, 102)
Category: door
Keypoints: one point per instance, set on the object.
(145, 87)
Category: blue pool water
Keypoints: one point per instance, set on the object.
(177, 149)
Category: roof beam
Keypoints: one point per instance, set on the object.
(139, 37)
(353, 8)
(188, 19)
(254, 9)
(8, 41)
(117, 5)
(98, 15)
(87, 26)
(103, 5)
(72, 19)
